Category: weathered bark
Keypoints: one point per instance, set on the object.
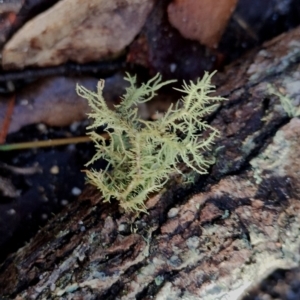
(211, 241)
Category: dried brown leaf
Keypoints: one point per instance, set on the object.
(76, 30)
(201, 20)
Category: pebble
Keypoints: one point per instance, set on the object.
(76, 191)
(11, 212)
(173, 212)
(54, 170)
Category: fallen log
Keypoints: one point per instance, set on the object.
(213, 240)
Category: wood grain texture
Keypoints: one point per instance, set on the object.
(212, 240)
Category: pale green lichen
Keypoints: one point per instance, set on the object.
(142, 154)
(285, 101)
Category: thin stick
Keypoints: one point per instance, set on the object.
(7, 119)
(101, 68)
(48, 143)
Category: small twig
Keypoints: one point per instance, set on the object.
(67, 69)
(7, 118)
(48, 143)
(21, 170)
(243, 24)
